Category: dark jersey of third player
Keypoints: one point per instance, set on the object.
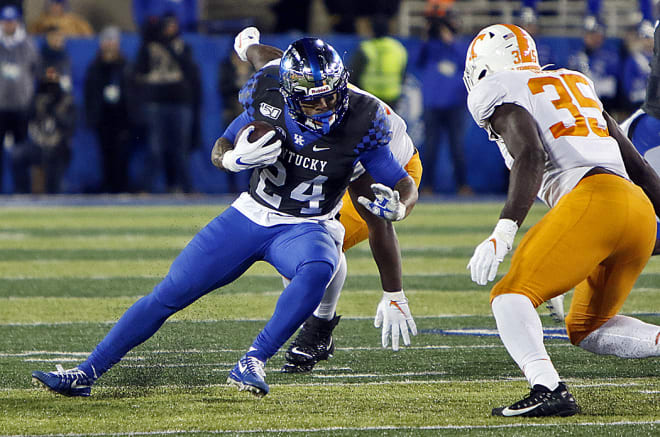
(312, 165)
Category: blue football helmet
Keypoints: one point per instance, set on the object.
(310, 69)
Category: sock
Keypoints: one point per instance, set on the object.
(328, 306)
(137, 324)
(521, 332)
(624, 337)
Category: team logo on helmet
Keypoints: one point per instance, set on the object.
(496, 48)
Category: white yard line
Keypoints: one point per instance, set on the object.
(364, 428)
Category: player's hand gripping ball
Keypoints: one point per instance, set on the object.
(257, 144)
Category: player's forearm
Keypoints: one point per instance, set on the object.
(260, 54)
(385, 250)
(407, 193)
(524, 183)
(221, 146)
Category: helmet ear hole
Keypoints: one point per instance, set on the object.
(482, 74)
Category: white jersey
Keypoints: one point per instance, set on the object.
(569, 119)
(401, 145)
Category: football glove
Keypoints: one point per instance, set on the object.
(556, 308)
(491, 252)
(386, 204)
(393, 314)
(246, 154)
(245, 38)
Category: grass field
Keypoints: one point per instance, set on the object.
(67, 273)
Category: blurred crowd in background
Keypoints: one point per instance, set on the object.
(144, 113)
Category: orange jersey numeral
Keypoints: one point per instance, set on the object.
(582, 124)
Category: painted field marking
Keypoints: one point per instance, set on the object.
(548, 333)
(342, 428)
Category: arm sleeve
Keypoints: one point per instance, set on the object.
(382, 166)
(236, 125)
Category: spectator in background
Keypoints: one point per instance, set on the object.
(600, 64)
(379, 65)
(528, 20)
(440, 64)
(233, 74)
(291, 16)
(636, 66)
(54, 54)
(348, 16)
(644, 12)
(18, 4)
(107, 108)
(57, 14)
(19, 61)
(170, 87)
(186, 12)
(39, 165)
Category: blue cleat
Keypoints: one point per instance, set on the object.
(249, 375)
(71, 382)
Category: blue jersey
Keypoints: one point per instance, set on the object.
(313, 170)
(644, 132)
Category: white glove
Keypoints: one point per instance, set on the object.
(556, 308)
(245, 38)
(386, 204)
(393, 313)
(251, 155)
(491, 252)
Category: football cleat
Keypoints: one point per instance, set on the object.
(248, 375)
(70, 382)
(542, 402)
(313, 344)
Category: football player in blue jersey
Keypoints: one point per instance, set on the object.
(314, 342)
(288, 217)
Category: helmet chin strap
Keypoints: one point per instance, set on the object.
(325, 120)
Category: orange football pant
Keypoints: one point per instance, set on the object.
(356, 228)
(598, 238)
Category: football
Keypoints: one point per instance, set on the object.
(261, 128)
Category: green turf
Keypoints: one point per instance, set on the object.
(66, 274)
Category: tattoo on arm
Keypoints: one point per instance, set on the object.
(221, 146)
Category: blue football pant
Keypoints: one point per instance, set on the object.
(220, 253)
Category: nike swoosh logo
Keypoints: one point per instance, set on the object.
(239, 162)
(395, 304)
(319, 149)
(509, 412)
(241, 367)
(74, 384)
(297, 351)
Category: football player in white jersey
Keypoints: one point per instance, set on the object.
(314, 341)
(643, 129)
(600, 230)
